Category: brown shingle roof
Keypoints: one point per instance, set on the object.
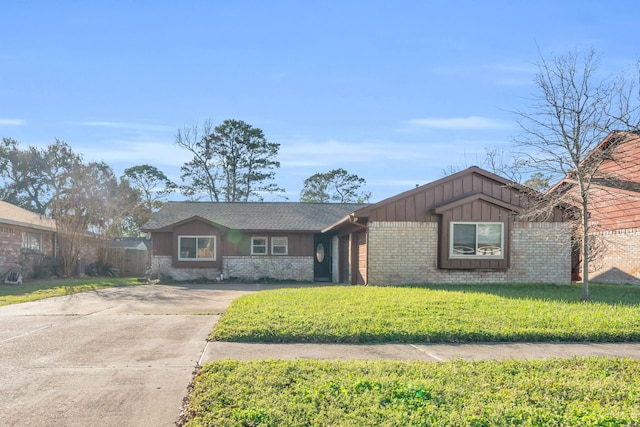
(280, 216)
(14, 215)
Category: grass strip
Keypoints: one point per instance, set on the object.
(556, 392)
(41, 289)
(456, 313)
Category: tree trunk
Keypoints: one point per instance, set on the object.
(585, 251)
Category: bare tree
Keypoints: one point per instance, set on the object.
(202, 172)
(508, 164)
(573, 110)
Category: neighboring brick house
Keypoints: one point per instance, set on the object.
(25, 237)
(461, 229)
(614, 210)
(279, 240)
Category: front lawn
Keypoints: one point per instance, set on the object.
(39, 289)
(555, 392)
(569, 392)
(456, 313)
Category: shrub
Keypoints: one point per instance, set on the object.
(45, 267)
(101, 268)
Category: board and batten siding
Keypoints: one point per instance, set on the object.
(418, 204)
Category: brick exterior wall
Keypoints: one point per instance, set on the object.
(162, 265)
(10, 246)
(12, 254)
(242, 267)
(616, 257)
(407, 252)
(298, 268)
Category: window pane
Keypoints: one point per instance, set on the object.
(320, 253)
(279, 241)
(489, 239)
(259, 245)
(464, 239)
(187, 247)
(205, 247)
(279, 245)
(32, 241)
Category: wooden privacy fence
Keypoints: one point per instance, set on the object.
(129, 262)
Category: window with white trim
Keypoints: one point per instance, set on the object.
(259, 246)
(197, 248)
(32, 242)
(279, 245)
(477, 240)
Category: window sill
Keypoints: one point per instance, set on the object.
(31, 251)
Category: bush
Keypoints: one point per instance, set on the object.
(101, 268)
(45, 267)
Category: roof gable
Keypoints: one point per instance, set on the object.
(621, 150)
(472, 198)
(190, 219)
(139, 243)
(615, 186)
(414, 204)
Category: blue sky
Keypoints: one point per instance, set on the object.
(395, 92)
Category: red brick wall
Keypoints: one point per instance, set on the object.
(11, 252)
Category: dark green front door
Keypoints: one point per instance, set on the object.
(322, 258)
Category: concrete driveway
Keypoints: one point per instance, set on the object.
(115, 357)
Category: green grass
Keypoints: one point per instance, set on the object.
(569, 392)
(40, 289)
(456, 313)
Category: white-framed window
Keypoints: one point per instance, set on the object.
(31, 242)
(259, 245)
(477, 240)
(197, 248)
(279, 245)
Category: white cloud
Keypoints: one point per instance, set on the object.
(125, 125)
(516, 72)
(122, 153)
(459, 123)
(12, 122)
(334, 153)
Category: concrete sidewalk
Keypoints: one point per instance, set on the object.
(418, 352)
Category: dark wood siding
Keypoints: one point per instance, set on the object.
(162, 243)
(239, 242)
(488, 213)
(418, 204)
(197, 228)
